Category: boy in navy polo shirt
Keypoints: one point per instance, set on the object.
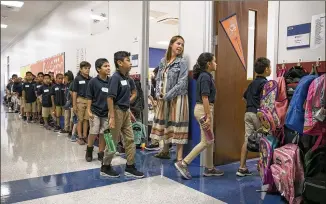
(252, 97)
(122, 90)
(38, 84)
(45, 92)
(29, 97)
(80, 101)
(58, 99)
(97, 107)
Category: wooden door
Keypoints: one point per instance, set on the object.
(231, 78)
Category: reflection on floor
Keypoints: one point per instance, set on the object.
(40, 166)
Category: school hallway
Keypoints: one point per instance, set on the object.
(41, 166)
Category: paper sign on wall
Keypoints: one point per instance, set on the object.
(318, 31)
(230, 26)
(298, 36)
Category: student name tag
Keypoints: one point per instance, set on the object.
(82, 82)
(46, 90)
(56, 89)
(124, 83)
(26, 86)
(38, 86)
(106, 90)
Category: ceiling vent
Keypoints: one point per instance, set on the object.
(170, 21)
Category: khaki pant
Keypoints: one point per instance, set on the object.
(98, 125)
(67, 120)
(122, 125)
(59, 111)
(200, 112)
(252, 124)
(82, 113)
(30, 107)
(46, 112)
(38, 105)
(22, 103)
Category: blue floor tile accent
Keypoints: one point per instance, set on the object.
(228, 188)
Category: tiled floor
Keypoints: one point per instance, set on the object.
(39, 166)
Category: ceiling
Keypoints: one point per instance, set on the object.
(20, 20)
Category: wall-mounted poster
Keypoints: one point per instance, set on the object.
(37, 67)
(318, 30)
(54, 64)
(298, 36)
(231, 28)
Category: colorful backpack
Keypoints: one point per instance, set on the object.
(288, 174)
(295, 115)
(266, 149)
(316, 101)
(139, 132)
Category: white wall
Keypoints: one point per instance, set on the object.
(294, 13)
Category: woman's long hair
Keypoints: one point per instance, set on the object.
(168, 54)
(201, 64)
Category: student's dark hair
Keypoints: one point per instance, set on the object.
(40, 73)
(58, 75)
(201, 64)
(168, 54)
(261, 64)
(47, 75)
(70, 75)
(29, 73)
(120, 56)
(84, 64)
(99, 63)
(14, 75)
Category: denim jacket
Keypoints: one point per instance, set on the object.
(177, 79)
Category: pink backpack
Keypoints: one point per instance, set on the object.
(316, 100)
(287, 171)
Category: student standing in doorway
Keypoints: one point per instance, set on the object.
(205, 98)
(97, 107)
(122, 90)
(171, 119)
(252, 97)
(80, 101)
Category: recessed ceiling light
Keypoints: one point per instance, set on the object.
(18, 4)
(4, 26)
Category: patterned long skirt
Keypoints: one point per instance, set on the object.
(171, 121)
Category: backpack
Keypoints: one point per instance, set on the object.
(267, 113)
(315, 172)
(316, 100)
(295, 115)
(266, 148)
(292, 78)
(139, 132)
(138, 104)
(288, 174)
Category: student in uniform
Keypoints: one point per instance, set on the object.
(68, 79)
(252, 97)
(17, 89)
(39, 83)
(45, 92)
(58, 100)
(29, 97)
(80, 101)
(205, 98)
(97, 107)
(122, 90)
(14, 97)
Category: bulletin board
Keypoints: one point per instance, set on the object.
(54, 64)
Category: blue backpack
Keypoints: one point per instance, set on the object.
(295, 115)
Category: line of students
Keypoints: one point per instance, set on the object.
(103, 102)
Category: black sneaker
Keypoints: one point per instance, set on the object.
(107, 171)
(89, 154)
(63, 131)
(100, 156)
(56, 129)
(131, 171)
(243, 172)
(152, 147)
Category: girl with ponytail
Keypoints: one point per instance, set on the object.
(205, 98)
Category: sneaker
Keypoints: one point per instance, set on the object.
(56, 129)
(80, 141)
(163, 155)
(73, 138)
(108, 171)
(70, 134)
(243, 172)
(131, 171)
(24, 118)
(183, 169)
(213, 172)
(152, 147)
(89, 154)
(63, 131)
(100, 156)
